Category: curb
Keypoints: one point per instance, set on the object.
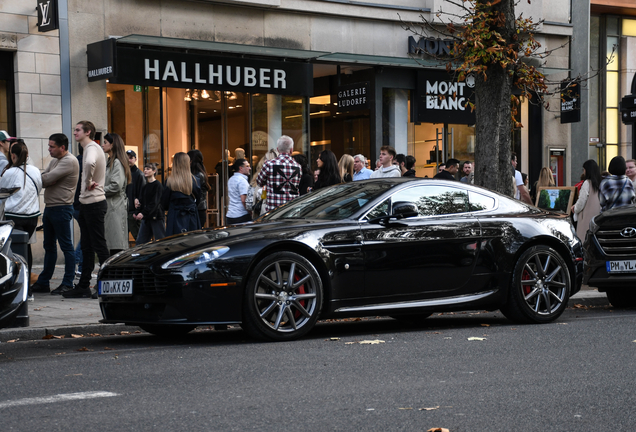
(30, 334)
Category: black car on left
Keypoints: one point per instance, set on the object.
(397, 247)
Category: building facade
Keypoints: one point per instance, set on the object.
(219, 76)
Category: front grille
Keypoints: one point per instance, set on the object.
(145, 282)
(613, 243)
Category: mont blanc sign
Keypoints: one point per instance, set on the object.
(149, 67)
(442, 99)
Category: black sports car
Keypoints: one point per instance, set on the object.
(397, 247)
(610, 255)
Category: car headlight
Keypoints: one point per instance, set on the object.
(200, 256)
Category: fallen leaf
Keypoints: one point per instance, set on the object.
(124, 333)
(48, 336)
(429, 409)
(83, 349)
(350, 343)
(438, 430)
(106, 348)
(39, 308)
(60, 353)
(94, 335)
(13, 340)
(74, 375)
(485, 325)
(476, 339)
(58, 337)
(634, 341)
(448, 337)
(71, 308)
(371, 342)
(75, 336)
(408, 408)
(334, 339)
(578, 306)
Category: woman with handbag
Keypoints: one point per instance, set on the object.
(23, 207)
(180, 196)
(616, 190)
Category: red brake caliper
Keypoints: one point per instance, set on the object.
(300, 290)
(524, 277)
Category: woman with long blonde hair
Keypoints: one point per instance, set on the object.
(546, 179)
(180, 196)
(116, 179)
(345, 165)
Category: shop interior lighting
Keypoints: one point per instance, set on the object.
(195, 94)
(205, 94)
(187, 96)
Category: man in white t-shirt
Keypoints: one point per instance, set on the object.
(387, 169)
(522, 192)
(237, 189)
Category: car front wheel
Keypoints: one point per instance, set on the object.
(540, 287)
(283, 298)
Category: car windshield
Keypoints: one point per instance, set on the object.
(331, 203)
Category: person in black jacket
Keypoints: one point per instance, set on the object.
(133, 192)
(149, 213)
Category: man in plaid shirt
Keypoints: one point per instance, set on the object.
(280, 176)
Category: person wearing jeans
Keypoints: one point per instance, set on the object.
(60, 181)
(92, 209)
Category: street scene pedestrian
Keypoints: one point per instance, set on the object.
(93, 208)
(149, 211)
(329, 173)
(450, 169)
(133, 192)
(588, 205)
(387, 168)
(59, 181)
(361, 172)
(280, 176)
(23, 207)
(117, 178)
(237, 189)
(200, 173)
(616, 190)
(180, 196)
(307, 179)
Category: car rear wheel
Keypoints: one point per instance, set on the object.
(283, 298)
(540, 287)
(167, 330)
(621, 298)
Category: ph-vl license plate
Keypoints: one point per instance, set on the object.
(625, 266)
(116, 287)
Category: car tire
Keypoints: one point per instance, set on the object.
(621, 298)
(413, 320)
(167, 330)
(540, 287)
(276, 309)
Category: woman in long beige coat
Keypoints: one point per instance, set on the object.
(588, 205)
(117, 178)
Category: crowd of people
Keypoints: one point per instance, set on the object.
(111, 198)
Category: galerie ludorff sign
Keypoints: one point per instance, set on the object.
(353, 97)
(440, 98)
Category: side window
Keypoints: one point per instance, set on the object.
(435, 200)
(479, 202)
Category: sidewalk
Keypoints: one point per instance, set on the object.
(55, 315)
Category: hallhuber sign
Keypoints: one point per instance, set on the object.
(210, 72)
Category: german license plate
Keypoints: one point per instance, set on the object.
(116, 287)
(626, 266)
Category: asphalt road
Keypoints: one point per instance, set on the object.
(573, 375)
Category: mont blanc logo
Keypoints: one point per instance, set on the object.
(628, 232)
(47, 15)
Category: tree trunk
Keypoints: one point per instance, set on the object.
(494, 125)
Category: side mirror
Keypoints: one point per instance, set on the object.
(404, 209)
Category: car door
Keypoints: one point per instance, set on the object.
(426, 256)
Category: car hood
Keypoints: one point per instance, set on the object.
(617, 218)
(173, 246)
